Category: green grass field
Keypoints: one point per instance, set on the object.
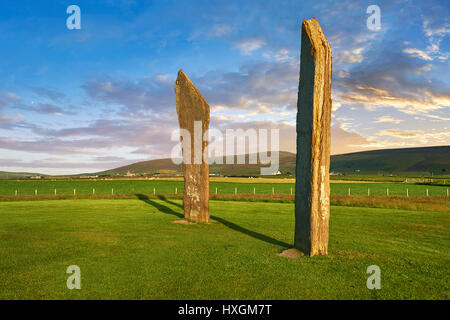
(47, 187)
(131, 249)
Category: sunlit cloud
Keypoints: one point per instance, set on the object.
(416, 53)
(247, 47)
(110, 99)
(387, 119)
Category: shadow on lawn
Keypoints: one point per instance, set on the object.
(159, 206)
(226, 223)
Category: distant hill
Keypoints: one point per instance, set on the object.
(424, 160)
(17, 175)
(407, 161)
(287, 165)
(427, 160)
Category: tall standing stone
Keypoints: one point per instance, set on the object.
(193, 116)
(312, 192)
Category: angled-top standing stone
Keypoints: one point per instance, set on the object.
(312, 192)
(193, 116)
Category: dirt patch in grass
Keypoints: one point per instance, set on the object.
(183, 222)
(291, 253)
(425, 226)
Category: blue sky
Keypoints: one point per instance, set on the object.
(100, 97)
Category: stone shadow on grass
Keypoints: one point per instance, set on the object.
(160, 207)
(226, 223)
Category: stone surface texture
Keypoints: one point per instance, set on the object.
(312, 193)
(191, 108)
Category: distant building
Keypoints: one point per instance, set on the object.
(36, 177)
(130, 174)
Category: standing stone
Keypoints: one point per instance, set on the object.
(312, 192)
(193, 116)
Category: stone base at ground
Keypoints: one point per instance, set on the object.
(291, 253)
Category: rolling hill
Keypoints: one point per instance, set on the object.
(425, 160)
(406, 161)
(18, 175)
(287, 165)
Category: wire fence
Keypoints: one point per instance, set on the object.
(284, 190)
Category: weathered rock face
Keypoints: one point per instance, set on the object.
(193, 116)
(312, 192)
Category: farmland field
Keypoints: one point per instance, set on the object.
(131, 249)
(47, 187)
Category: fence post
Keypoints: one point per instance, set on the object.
(348, 191)
(447, 192)
(16, 192)
(368, 191)
(254, 190)
(427, 192)
(291, 190)
(112, 191)
(154, 191)
(93, 191)
(407, 192)
(176, 190)
(387, 191)
(55, 191)
(216, 190)
(35, 192)
(235, 190)
(74, 191)
(273, 190)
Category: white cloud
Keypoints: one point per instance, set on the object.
(216, 31)
(344, 141)
(417, 53)
(421, 102)
(335, 105)
(435, 34)
(247, 47)
(281, 55)
(401, 133)
(384, 119)
(347, 56)
(435, 31)
(417, 137)
(220, 30)
(12, 96)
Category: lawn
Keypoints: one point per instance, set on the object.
(131, 249)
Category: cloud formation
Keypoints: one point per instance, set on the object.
(137, 97)
(117, 103)
(246, 47)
